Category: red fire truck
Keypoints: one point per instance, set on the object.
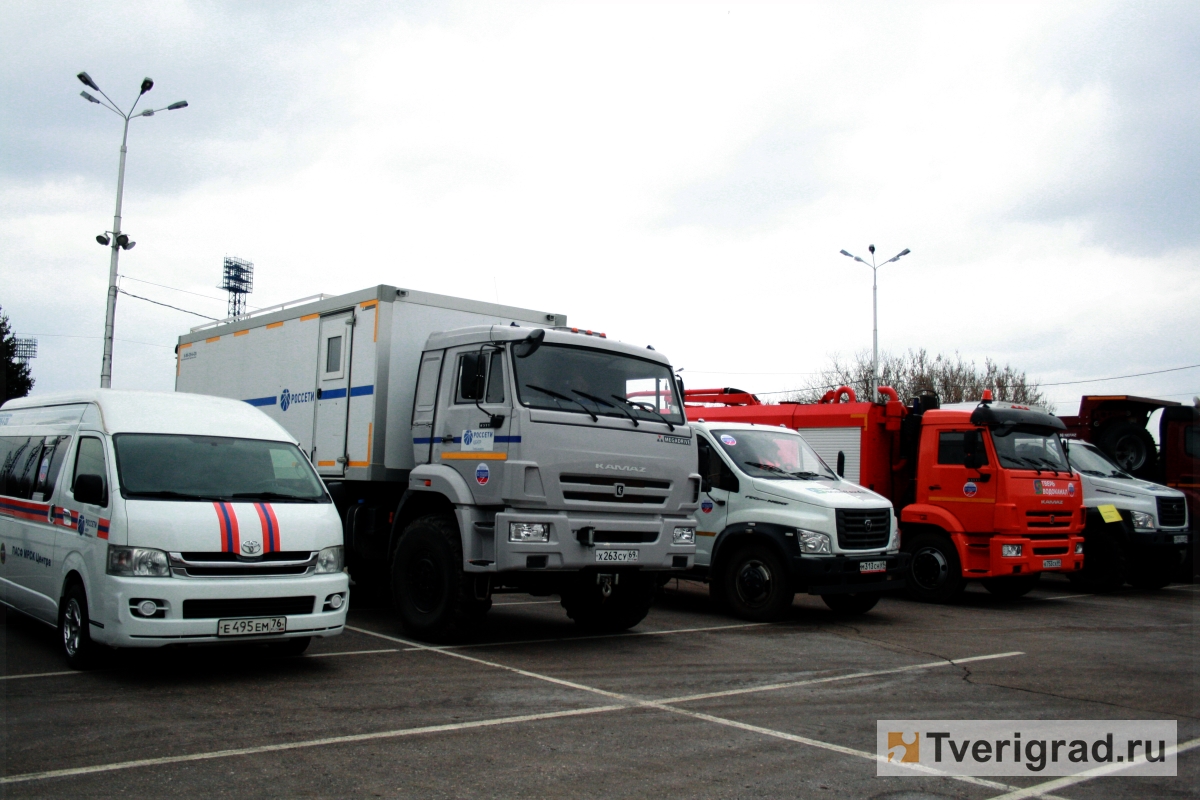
(984, 492)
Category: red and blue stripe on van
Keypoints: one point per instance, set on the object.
(270, 527)
(231, 540)
(23, 509)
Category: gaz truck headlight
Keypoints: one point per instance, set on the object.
(329, 560)
(138, 562)
(1010, 550)
(684, 536)
(811, 542)
(1143, 521)
(529, 531)
(894, 542)
(1079, 548)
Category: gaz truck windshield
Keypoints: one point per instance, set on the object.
(153, 466)
(597, 383)
(778, 456)
(1090, 461)
(1026, 449)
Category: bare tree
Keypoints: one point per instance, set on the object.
(953, 379)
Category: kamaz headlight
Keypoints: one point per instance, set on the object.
(1079, 548)
(138, 562)
(684, 536)
(811, 542)
(329, 560)
(1143, 521)
(1010, 550)
(529, 531)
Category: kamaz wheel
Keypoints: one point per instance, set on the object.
(431, 593)
(935, 573)
(627, 603)
(756, 584)
(851, 604)
(1011, 588)
(74, 628)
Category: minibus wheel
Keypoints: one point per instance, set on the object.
(74, 624)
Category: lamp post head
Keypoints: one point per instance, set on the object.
(871, 248)
(147, 85)
(180, 104)
(103, 239)
(847, 255)
(87, 81)
(88, 97)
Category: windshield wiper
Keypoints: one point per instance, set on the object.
(167, 494)
(299, 498)
(808, 476)
(768, 468)
(601, 402)
(643, 407)
(1095, 472)
(558, 396)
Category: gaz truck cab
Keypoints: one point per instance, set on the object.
(776, 520)
(984, 492)
(1137, 531)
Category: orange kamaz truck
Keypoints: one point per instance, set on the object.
(983, 491)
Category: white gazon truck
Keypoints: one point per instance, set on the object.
(473, 448)
(775, 520)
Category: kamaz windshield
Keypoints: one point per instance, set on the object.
(1029, 449)
(153, 466)
(599, 383)
(773, 455)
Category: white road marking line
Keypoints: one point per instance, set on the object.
(833, 678)
(39, 675)
(352, 653)
(627, 634)
(525, 603)
(274, 748)
(1039, 790)
(1191, 588)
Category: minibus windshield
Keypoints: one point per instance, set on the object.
(154, 466)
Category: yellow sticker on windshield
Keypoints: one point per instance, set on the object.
(1109, 513)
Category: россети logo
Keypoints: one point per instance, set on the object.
(1025, 747)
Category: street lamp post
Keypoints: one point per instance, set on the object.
(119, 241)
(875, 313)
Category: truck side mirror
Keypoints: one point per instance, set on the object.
(529, 345)
(841, 464)
(89, 489)
(971, 457)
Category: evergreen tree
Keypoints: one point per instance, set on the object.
(16, 380)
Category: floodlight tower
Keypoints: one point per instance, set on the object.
(25, 349)
(238, 280)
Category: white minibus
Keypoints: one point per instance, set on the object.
(142, 519)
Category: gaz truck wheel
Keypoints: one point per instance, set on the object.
(851, 604)
(756, 584)
(935, 573)
(1154, 571)
(1011, 588)
(431, 593)
(602, 605)
(74, 629)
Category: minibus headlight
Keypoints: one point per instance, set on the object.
(684, 536)
(811, 542)
(329, 560)
(138, 562)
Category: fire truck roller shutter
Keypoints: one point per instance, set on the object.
(828, 442)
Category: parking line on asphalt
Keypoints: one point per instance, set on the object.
(1040, 789)
(525, 603)
(39, 675)
(626, 634)
(352, 653)
(1065, 596)
(274, 748)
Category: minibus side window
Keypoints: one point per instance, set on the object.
(54, 452)
(19, 467)
(89, 460)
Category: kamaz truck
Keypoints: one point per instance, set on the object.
(984, 492)
(473, 448)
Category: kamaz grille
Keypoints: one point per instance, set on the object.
(1048, 519)
(864, 530)
(622, 490)
(248, 607)
(1172, 513)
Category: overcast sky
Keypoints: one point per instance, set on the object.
(676, 174)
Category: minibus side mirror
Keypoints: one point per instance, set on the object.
(89, 489)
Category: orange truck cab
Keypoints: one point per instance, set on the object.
(983, 492)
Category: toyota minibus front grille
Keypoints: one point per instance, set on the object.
(231, 565)
(864, 530)
(614, 489)
(248, 607)
(1172, 512)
